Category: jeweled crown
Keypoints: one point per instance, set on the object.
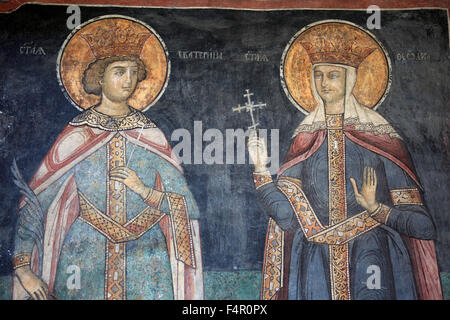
(332, 46)
(115, 41)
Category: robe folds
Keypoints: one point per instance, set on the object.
(390, 255)
(101, 240)
(320, 243)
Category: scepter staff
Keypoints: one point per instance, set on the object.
(250, 106)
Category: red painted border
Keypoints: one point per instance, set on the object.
(11, 5)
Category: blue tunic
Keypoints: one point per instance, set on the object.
(382, 247)
(148, 270)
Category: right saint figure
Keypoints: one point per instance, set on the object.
(347, 213)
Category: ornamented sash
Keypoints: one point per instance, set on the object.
(117, 230)
(338, 234)
(272, 275)
(142, 222)
(181, 229)
(113, 231)
(116, 204)
(406, 196)
(337, 206)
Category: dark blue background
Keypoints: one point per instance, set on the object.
(232, 220)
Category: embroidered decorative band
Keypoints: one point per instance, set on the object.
(154, 198)
(382, 213)
(406, 196)
(114, 231)
(21, 260)
(261, 179)
(346, 230)
(93, 118)
(116, 210)
(143, 222)
(336, 235)
(303, 211)
(312, 228)
(181, 229)
(337, 206)
(272, 274)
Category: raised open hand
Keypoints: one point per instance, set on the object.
(366, 196)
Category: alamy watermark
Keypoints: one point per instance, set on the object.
(374, 280)
(74, 19)
(222, 148)
(374, 20)
(74, 280)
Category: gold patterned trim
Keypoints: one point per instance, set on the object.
(337, 206)
(347, 230)
(272, 275)
(116, 210)
(382, 213)
(21, 259)
(339, 263)
(144, 221)
(154, 198)
(261, 179)
(135, 119)
(334, 121)
(297, 182)
(406, 197)
(305, 214)
(336, 169)
(338, 234)
(310, 128)
(357, 125)
(181, 228)
(339, 272)
(114, 231)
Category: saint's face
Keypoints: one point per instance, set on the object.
(330, 83)
(119, 80)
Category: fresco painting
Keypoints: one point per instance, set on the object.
(248, 152)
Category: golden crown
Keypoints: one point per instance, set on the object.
(330, 45)
(115, 41)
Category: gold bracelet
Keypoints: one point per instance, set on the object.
(376, 210)
(154, 198)
(21, 259)
(261, 179)
(382, 213)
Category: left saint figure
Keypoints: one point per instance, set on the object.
(120, 221)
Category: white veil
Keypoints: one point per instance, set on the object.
(362, 117)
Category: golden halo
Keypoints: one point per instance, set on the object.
(373, 74)
(75, 55)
